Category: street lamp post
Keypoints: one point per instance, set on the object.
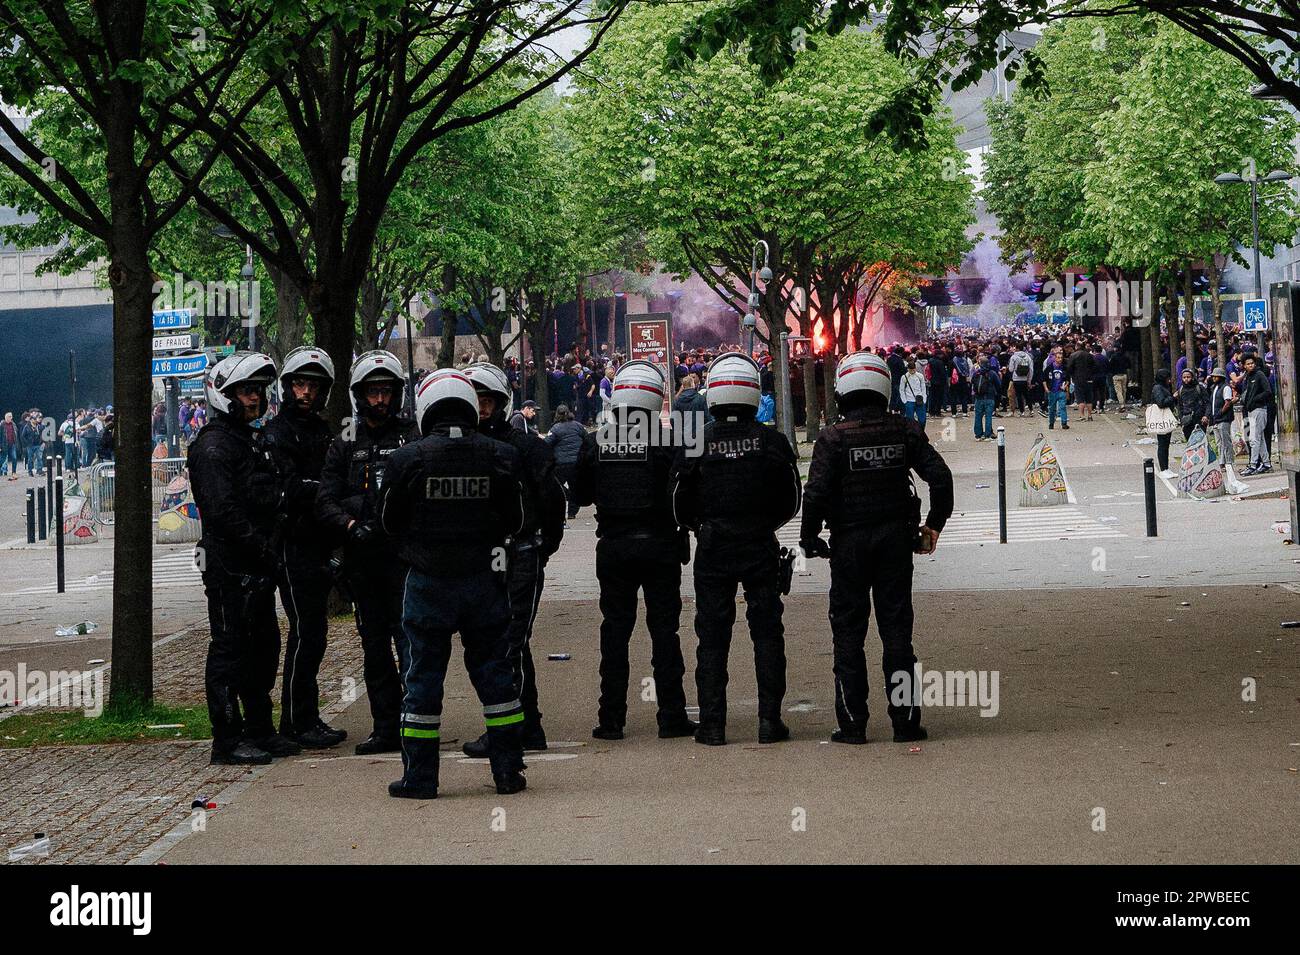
(751, 319)
(1229, 178)
(246, 276)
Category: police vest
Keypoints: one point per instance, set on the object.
(732, 470)
(367, 462)
(872, 470)
(455, 528)
(625, 481)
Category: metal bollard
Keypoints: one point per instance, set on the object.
(58, 532)
(1149, 480)
(31, 516)
(1002, 484)
(42, 514)
(49, 479)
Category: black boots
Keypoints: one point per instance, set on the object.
(320, 736)
(673, 729)
(277, 745)
(711, 734)
(401, 789)
(243, 754)
(854, 736)
(909, 733)
(772, 731)
(607, 732)
(374, 744)
(533, 738)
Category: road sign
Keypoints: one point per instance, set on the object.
(180, 366)
(174, 343)
(191, 386)
(1254, 315)
(173, 320)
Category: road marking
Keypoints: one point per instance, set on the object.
(1132, 446)
(169, 570)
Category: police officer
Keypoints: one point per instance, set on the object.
(237, 490)
(298, 439)
(639, 547)
(860, 486)
(544, 508)
(348, 506)
(734, 495)
(451, 500)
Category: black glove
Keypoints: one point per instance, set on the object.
(361, 532)
(815, 547)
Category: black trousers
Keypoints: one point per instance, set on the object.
(243, 656)
(304, 593)
(938, 391)
(377, 587)
(866, 562)
(527, 576)
(564, 474)
(1022, 395)
(719, 567)
(624, 566)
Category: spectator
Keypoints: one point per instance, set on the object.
(688, 399)
(1082, 368)
(1162, 396)
(1022, 373)
(1193, 404)
(1057, 390)
(566, 438)
(524, 418)
(1256, 398)
(985, 384)
(1221, 413)
(10, 442)
(913, 394)
(68, 433)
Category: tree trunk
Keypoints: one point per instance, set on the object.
(132, 284)
(1170, 304)
(832, 409)
(1189, 303)
(290, 319)
(1213, 273)
(540, 315)
(1148, 360)
(447, 347)
(812, 407)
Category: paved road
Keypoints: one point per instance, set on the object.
(1119, 700)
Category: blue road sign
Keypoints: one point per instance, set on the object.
(180, 366)
(1254, 315)
(173, 319)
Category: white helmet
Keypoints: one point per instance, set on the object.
(863, 371)
(308, 361)
(733, 379)
(377, 364)
(486, 376)
(243, 367)
(639, 384)
(450, 385)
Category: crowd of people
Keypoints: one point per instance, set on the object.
(84, 437)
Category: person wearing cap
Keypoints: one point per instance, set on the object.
(347, 506)
(238, 491)
(523, 419)
(1221, 413)
(735, 491)
(859, 485)
(450, 501)
(299, 439)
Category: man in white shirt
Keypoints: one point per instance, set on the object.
(912, 393)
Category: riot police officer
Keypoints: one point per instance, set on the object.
(860, 485)
(348, 506)
(451, 500)
(544, 509)
(639, 547)
(735, 495)
(237, 490)
(298, 438)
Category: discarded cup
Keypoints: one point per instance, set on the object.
(86, 626)
(558, 656)
(39, 847)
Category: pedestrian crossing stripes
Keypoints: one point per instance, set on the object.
(175, 569)
(1024, 525)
